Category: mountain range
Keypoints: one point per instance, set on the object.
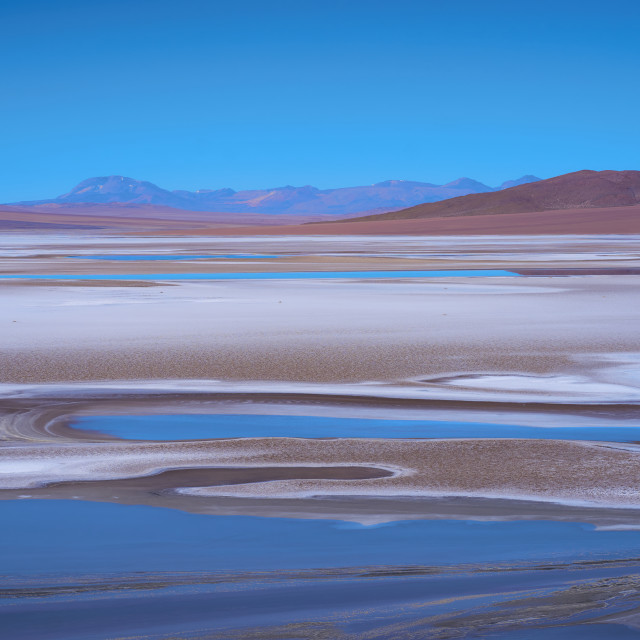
(381, 197)
(578, 190)
(583, 202)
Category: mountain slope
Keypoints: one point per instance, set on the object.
(384, 196)
(516, 183)
(579, 190)
(108, 189)
(467, 184)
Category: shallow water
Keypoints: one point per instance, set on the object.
(582, 632)
(68, 536)
(289, 275)
(204, 426)
(79, 570)
(313, 606)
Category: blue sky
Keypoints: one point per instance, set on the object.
(249, 94)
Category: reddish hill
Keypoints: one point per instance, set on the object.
(579, 190)
(617, 220)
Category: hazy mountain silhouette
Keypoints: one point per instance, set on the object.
(516, 183)
(384, 196)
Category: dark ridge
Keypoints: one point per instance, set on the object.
(579, 190)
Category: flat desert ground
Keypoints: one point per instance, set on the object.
(519, 330)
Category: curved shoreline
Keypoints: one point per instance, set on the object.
(42, 457)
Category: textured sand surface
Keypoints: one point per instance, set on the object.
(316, 331)
(599, 474)
(41, 457)
(545, 348)
(623, 220)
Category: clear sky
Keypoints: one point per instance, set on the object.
(261, 93)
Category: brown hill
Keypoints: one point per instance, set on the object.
(579, 190)
(616, 220)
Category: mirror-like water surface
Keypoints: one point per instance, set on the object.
(203, 426)
(49, 536)
(89, 571)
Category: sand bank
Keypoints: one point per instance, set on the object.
(622, 220)
(43, 458)
(577, 473)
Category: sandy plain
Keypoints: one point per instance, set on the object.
(623, 220)
(544, 348)
(144, 219)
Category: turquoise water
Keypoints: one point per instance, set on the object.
(203, 426)
(291, 275)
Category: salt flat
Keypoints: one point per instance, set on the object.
(549, 349)
(317, 331)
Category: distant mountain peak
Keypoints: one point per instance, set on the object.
(388, 195)
(221, 192)
(468, 184)
(403, 183)
(110, 189)
(516, 183)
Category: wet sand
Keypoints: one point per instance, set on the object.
(600, 474)
(367, 481)
(364, 479)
